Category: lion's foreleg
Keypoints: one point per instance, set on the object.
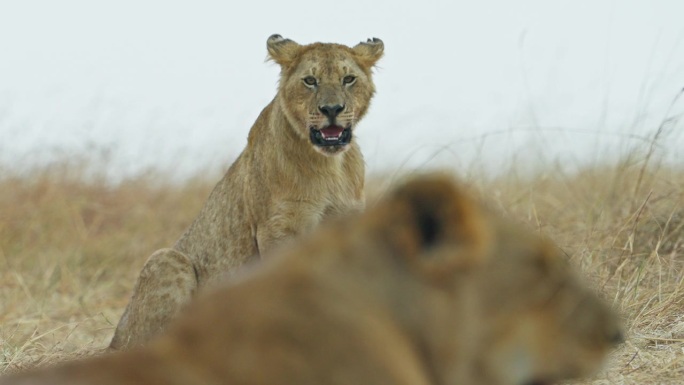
(166, 283)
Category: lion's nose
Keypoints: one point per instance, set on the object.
(331, 111)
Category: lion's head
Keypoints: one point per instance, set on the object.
(543, 324)
(325, 88)
(532, 320)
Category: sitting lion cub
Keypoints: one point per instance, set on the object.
(301, 165)
(425, 288)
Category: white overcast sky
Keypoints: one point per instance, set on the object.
(176, 85)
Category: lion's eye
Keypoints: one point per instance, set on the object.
(349, 79)
(310, 81)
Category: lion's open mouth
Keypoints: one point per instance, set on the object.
(331, 136)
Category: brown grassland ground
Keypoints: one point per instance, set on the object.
(71, 248)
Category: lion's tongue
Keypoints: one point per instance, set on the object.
(332, 132)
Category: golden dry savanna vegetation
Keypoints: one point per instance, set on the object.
(72, 245)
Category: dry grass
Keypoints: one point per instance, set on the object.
(625, 230)
(71, 249)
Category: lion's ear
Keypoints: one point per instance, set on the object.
(283, 51)
(369, 52)
(436, 226)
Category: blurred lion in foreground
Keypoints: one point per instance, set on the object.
(427, 287)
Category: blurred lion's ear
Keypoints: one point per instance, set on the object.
(369, 52)
(436, 226)
(281, 50)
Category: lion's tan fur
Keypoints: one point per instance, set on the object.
(280, 186)
(428, 287)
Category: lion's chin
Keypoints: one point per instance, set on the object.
(331, 140)
(331, 150)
